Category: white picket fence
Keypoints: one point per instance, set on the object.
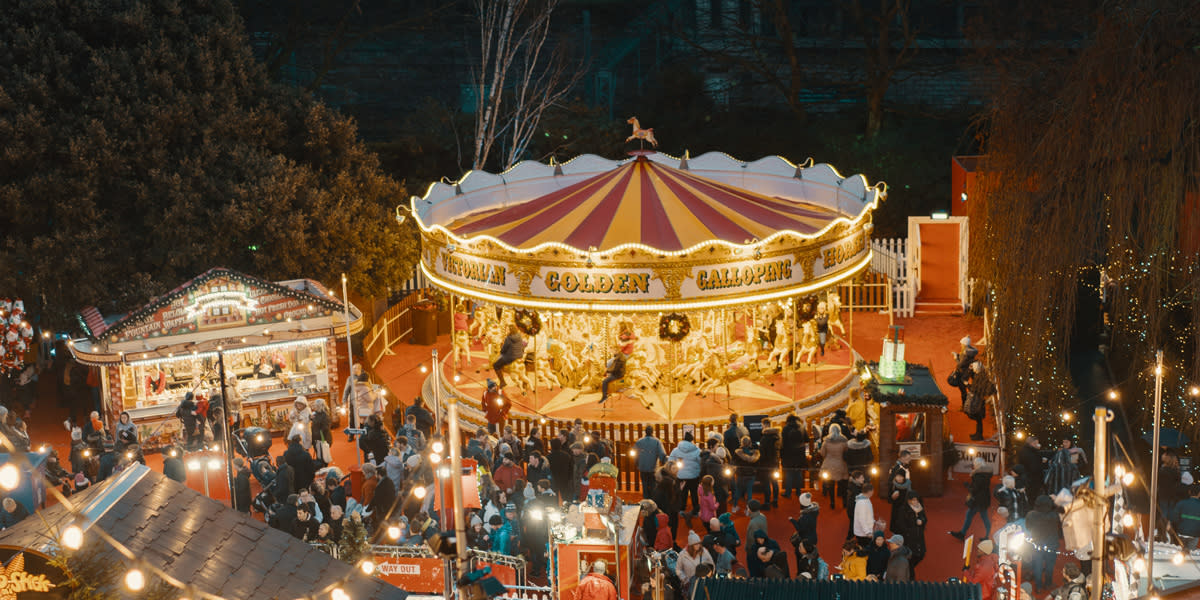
(891, 259)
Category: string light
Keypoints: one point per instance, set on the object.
(438, 447)
(339, 594)
(632, 452)
(419, 492)
(10, 476)
(1177, 559)
(367, 566)
(135, 580)
(72, 536)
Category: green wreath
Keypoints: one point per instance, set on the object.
(528, 322)
(673, 327)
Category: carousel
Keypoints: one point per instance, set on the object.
(695, 286)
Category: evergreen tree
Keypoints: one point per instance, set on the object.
(353, 545)
(143, 145)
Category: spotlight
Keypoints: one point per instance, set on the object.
(87, 452)
(679, 464)
(259, 437)
(1195, 391)
(1119, 471)
(43, 449)
(542, 420)
(1139, 564)
(173, 453)
(456, 378)
(135, 580)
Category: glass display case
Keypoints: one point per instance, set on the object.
(263, 373)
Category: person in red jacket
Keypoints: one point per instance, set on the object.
(596, 585)
(507, 475)
(983, 570)
(663, 540)
(495, 407)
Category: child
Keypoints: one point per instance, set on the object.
(708, 499)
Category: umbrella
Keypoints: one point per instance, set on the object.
(1169, 437)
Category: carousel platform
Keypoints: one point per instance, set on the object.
(808, 387)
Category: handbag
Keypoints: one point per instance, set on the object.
(954, 378)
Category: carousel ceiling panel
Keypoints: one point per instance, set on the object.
(648, 203)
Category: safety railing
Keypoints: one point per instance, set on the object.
(393, 326)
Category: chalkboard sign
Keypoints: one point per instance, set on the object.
(754, 423)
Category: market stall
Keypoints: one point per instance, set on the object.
(276, 341)
(912, 414)
(595, 532)
(709, 276)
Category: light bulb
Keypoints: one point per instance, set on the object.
(1177, 559)
(542, 420)
(367, 566)
(1127, 520)
(129, 455)
(87, 453)
(435, 458)
(214, 465)
(874, 470)
(438, 447)
(444, 472)
(393, 531)
(587, 439)
(456, 378)
(1020, 435)
(72, 536)
(258, 438)
(174, 453)
(1112, 394)
(632, 452)
(1066, 416)
(9, 476)
(339, 594)
(43, 449)
(1127, 478)
(679, 464)
(778, 475)
(728, 471)
(1139, 564)
(424, 369)
(824, 474)
(923, 463)
(536, 514)
(971, 451)
(1118, 471)
(193, 465)
(135, 580)
(419, 492)
(1195, 391)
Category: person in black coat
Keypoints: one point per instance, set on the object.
(511, 350)
(283, 515)
(173, 464)
(667, 498)
(979, 498)
(806, 524)
(284, 484)
(374, 443)
(186, 412)
(301, 462)
(793, 455)
(383, 503)
(425, 420)
(561, 465)
(768, 464)
(305, 527)
(241, 486)
(878, 555)
(910, 524)
(1031, 457)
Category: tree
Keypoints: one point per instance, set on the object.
(518, 76)
(889, 40)
(353, 544)
(1092, 150)
(144, 145)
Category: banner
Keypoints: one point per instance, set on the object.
(968, 452)
(416, 575)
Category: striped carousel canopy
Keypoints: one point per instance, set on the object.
(648, 203)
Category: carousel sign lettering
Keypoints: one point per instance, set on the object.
(598, 283)
(843, 251)
(749, 275)
(474, 270)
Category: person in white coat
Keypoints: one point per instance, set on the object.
(864, 515)
(301, 419)
(693, 556)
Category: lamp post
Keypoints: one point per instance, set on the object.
(227, 442)
(1158, 383)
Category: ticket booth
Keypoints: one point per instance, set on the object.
(912, 416)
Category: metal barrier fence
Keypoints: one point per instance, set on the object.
(710, 588)
(391, 328)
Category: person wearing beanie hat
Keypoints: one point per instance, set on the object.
(805, 524)
(961, 375)
(478, 537)
(983, 570)
(979, 499)
(507, 540)
(692, 556)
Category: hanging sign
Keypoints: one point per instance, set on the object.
(30, 575)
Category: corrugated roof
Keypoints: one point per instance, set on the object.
(200, 541)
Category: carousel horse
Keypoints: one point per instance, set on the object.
(713, 372)
(691, 368)
(834, 303)
(564, 364)
(809, 342)
(646, 135)
(783, 345)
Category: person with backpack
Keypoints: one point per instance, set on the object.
(1074, 586)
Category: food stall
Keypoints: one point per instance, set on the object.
(277, 340)
(912, 416)
(595, 531)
